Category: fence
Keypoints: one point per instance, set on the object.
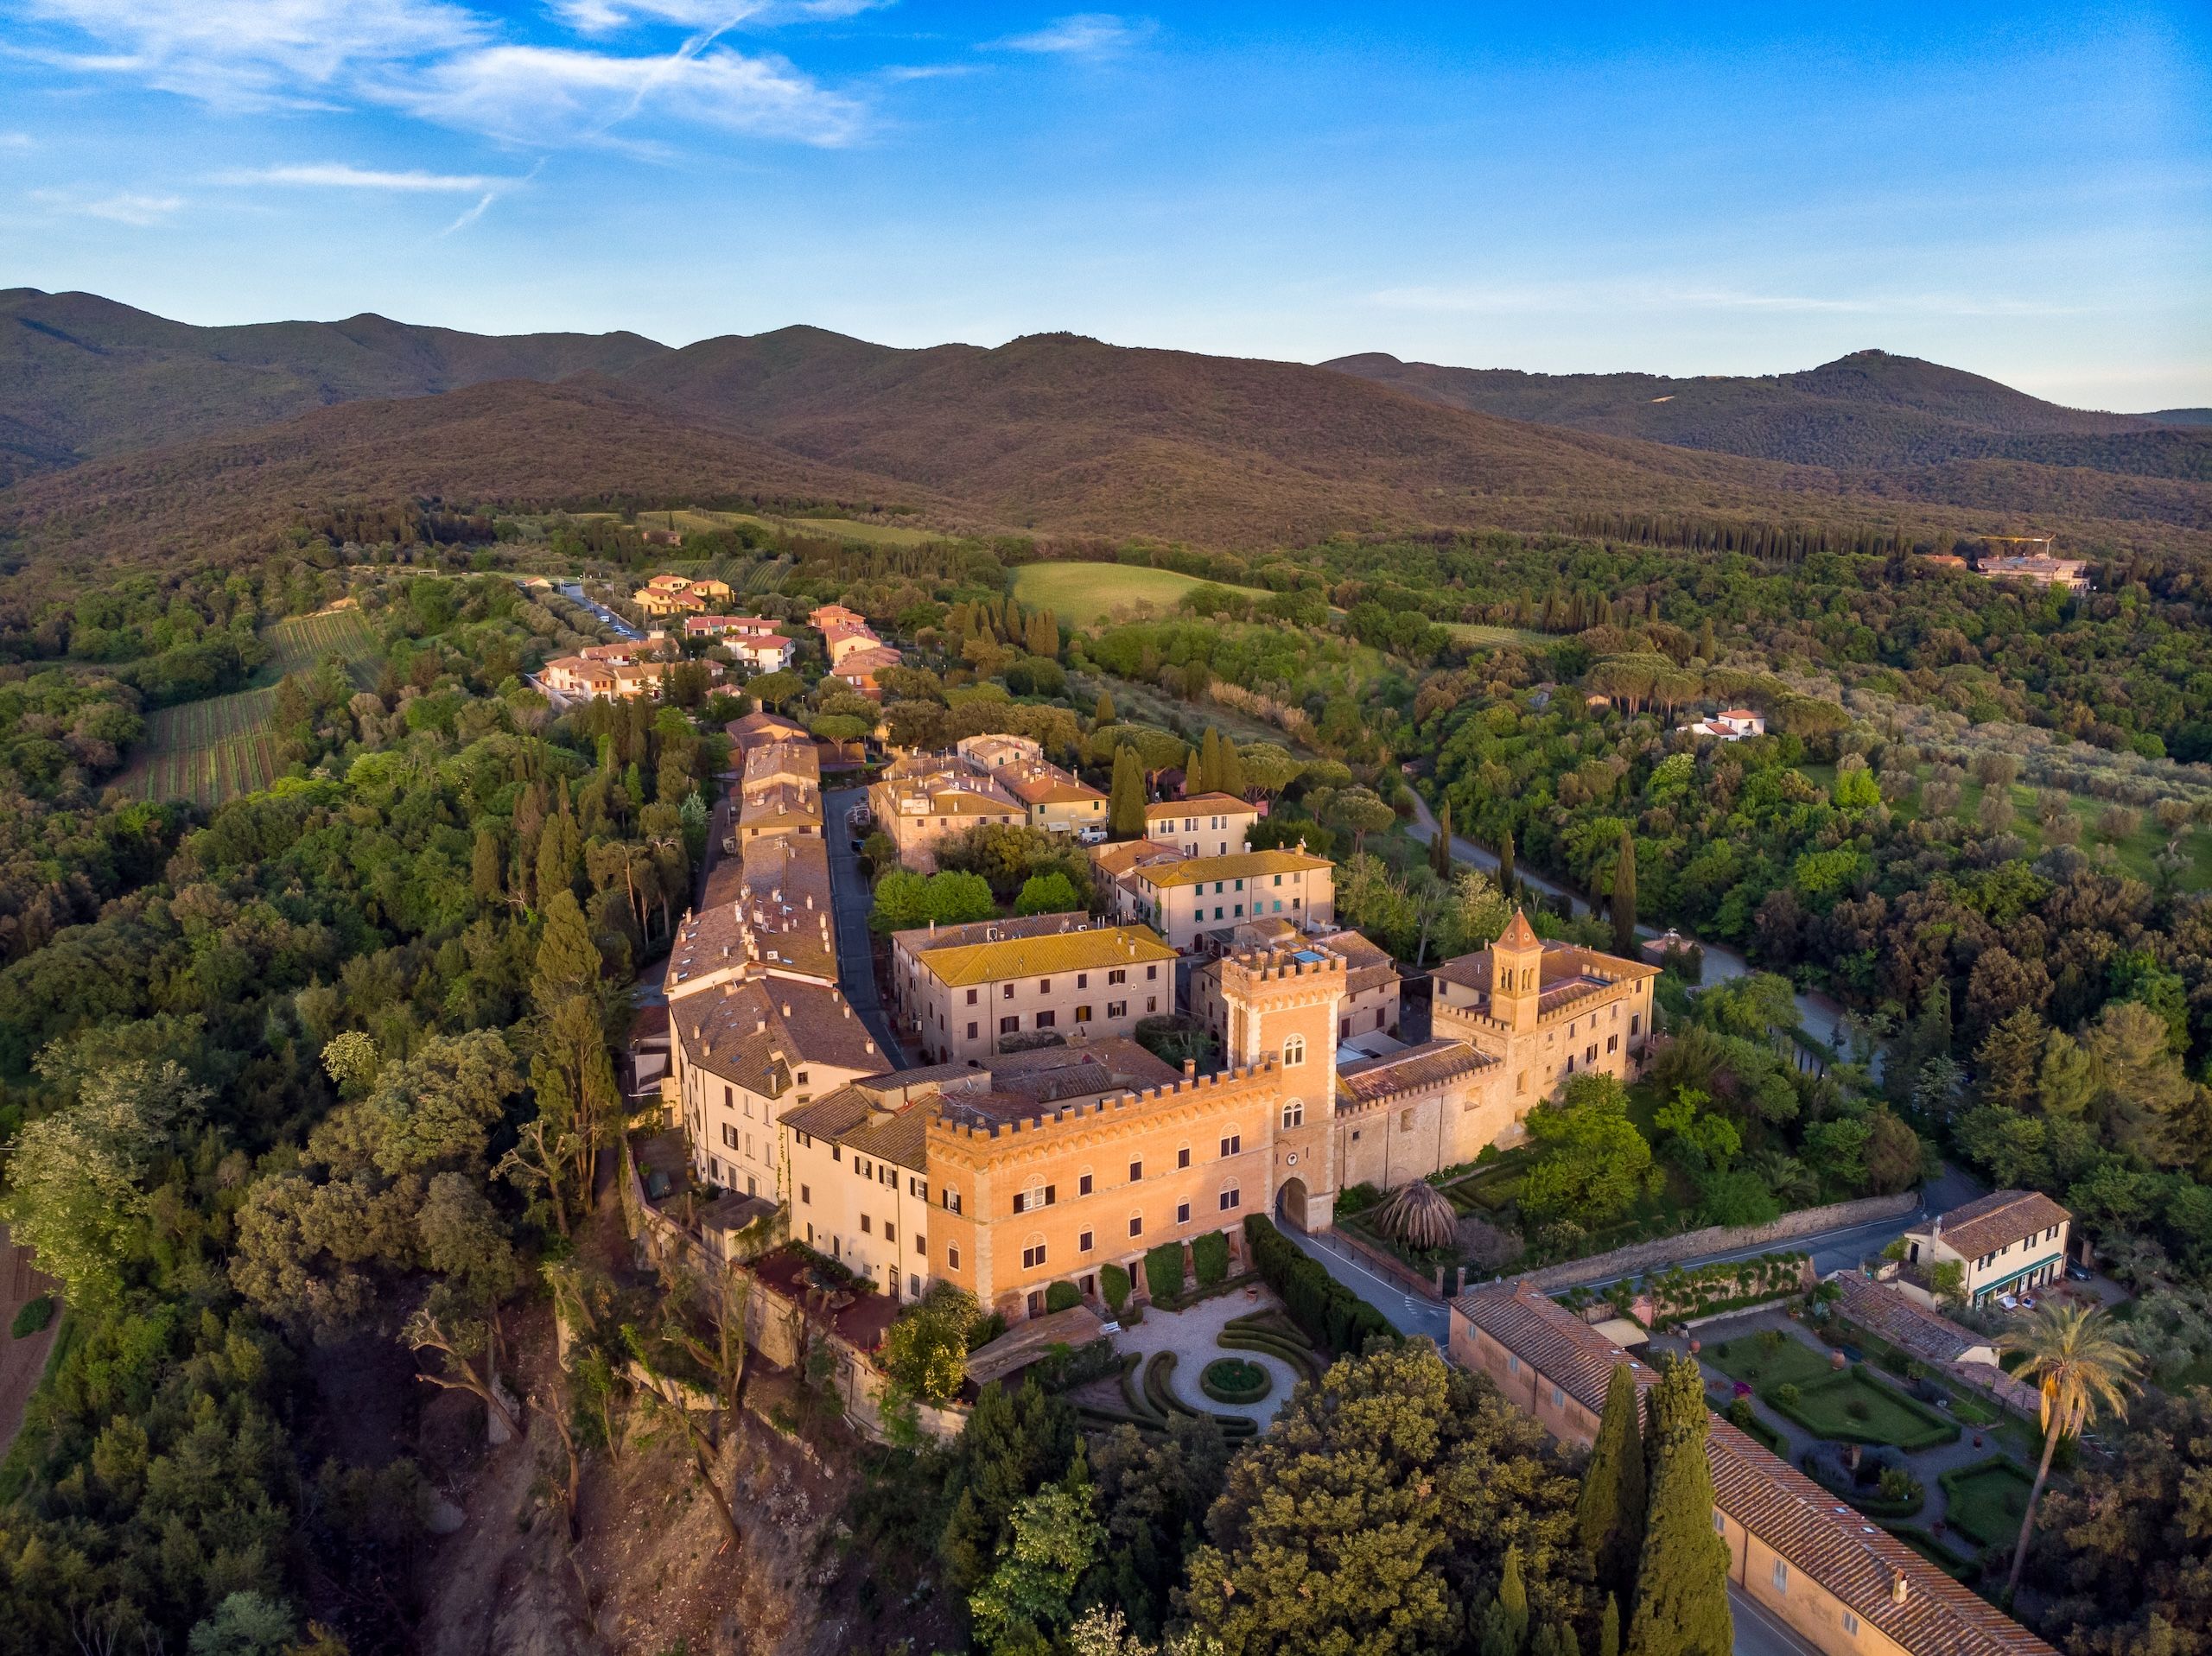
(1639, 1257)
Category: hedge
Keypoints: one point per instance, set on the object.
(1062, 1297)
(1210, 1257)
(32, 1316)
(1164, 1402)
(1114, 1284)
(1332, 1316)
(1235, 1379)
(1163, 1269)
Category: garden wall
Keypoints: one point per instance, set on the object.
(1667, 1250)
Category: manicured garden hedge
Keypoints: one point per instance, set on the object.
(1114, 1284)
(32, 1316)
(1210, 1257)
(1063, 1296)
(1163, 1271)
(1331, 1314)
(1235, 1379)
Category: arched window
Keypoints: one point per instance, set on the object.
(1294, 1050)
(1032, 1252)
(1230, 1198)
(1293, 1113)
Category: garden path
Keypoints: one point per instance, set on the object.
(1193, 1336)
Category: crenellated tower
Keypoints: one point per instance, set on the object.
(1281, 1007)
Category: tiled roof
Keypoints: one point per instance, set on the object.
(1094, 949)
(1904, 1321)
(798, 759)
(1430, 1064)
(1238, 864)
(766, 803)
(1117, 859)
(758, 1031)
(1520, 934)
(761, 726)
(861, 1120)
(769, 906)
(1035, 783)
(1199, 805)
(1999, 1219)
(868, 661)
(1367, 966)
(1854, 1558)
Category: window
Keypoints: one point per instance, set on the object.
(1082, 1240)
(1635, 1023)
(1781, 1576)
(1082, 1014)
(1233, 1144)
(1117, 1009)
(836, 1153)
(1033, 1255)
(1294, 1050)
(1152, 1003)
(1044, 985)
(726, 1098)
(952, 1258)
(1036, 1196)
(1559, 1397)
(1136, 1171)
(1117, 975)
(1512, 1364)
(1006, 991)
(1136, 1224)
(1083, 979)
(1232, 1197)
(1612, 1043)
(1850, 1625)
(913, 1287)
(1151, 973)
(729, 1136)
(971, 997)
(1183, 1157)
(1404, 1121)
(1293, 1113)
(890, 1231)
(806, 1194)
(1720, 1524)
(1009, 1026)
(1083, 1184)
(1182, 1213)
(866, 1225)
(1590, 1053)
(921, 1244)
(971, 1032)
(952, 1201)
(802, 1078)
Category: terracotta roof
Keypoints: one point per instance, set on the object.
(769, 804)
(864, 1121)
(1093, 949)
(1035, 783)
(762, 726)
(1520, 934)
(1031, 1340)
(1238, 864)
(1199, 805)
(1117, 859)
(917, 939)
(798, 759)
(1996, 1221)
(760, 1030)
(1904, 1321)
(1430, 1064)
(768, 906)
(863, 661)
(1367, 965)
(1853, 1558)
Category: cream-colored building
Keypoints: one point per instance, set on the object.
(924, 798)
(1203, 825)
(1198, 898)
(965, 997)
(1837, 1579)
(1371, 983)
(781, 792)
(1056, 801)
(1545, 1012)
(2007, 1242)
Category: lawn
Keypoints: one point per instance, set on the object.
(835, 529)
(1477, 632)
(1083, 593)
(1849, 1407)
(1988, 1500)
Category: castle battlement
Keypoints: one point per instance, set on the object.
(1067, 1121)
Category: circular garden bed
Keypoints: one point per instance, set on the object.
(1232, 1380)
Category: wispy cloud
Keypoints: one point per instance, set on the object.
(603, 16)
(17, 141)
(1082, 34)
(128, 207)
(342, 175)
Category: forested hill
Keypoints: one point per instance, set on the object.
(1870, 409)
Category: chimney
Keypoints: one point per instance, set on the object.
(787, 1009)
(1900, 1588)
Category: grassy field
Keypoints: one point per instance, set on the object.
(1084, 592)
(1851, 1406)
(209, 751)
(835, 529)
(1477, 632)
(1988, 1502)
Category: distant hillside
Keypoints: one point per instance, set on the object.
(2180, 416)
(1870, 410)
(82, 377)
(508, 441)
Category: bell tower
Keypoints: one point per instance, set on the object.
(1282, 1017)
(1516, 975)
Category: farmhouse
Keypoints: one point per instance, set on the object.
(2007, 1242)
(1202, 825)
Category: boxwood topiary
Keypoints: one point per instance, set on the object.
(1233, 1379)
(32, 1316)
(1114, 1284)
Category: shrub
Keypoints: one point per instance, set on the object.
(1163, 1271)
(1233, 1379)
(1786, 1394)
(1357, 1198)
(1739, 1413)
(1858, 1409)
(33, 1316)
(1210, 1257)
(1331, 1314)
(1114, 1284)
(1062, 1297)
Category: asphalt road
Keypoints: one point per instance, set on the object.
(849, 902)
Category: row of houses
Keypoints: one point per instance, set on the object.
(856, 654)
(635, 667)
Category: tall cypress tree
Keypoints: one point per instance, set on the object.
(1623, 903)
(1229, 773)
(1506, 882)
(1608, 1628)
(1103, 712)
(1609, 1512)
(1513, 1600)
(1194, 773)
(1209, 763)
(1682, 1580)
(1125, 804)
(1440, 849)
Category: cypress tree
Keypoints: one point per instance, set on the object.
(1506, 883)
(1104, 713)
(1608, 1628)
(485, 871)
(568, 959)
(1554, 1639)
(1194, 772)
(1682, 1580)
(1440, 849)
(1230, 776)
(1125, 803)
(1513, 1600)
(1209, 763)
(1609, 1512)
(1623, 903)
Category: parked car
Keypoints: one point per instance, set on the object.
(2080, 1274)
(1090, 836)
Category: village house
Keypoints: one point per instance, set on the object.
(2009, 1243)
(780, 792)
(923, 797)
(1841, 1582)
(2068, 573)
(577, 677)
(675, 595)
(1204, 825)
(966, 997)
(761, 726)
(1730, 725)
(860, 669)
(1193, 899)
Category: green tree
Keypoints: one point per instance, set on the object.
(1609, 1513)
(1440, 847)
(1103, 712)
(1623, 906)
(1681, 1578)
(1590, 1158)
(1056, 1537)
(1608, 1628)
(487, 866)
(1125, 803)
(1513, 1602)
(568, 959)
(2082, 1367)
(1508, 882)
(1052, 893)
(1362, 810)
(777, 690)
(925, 1349)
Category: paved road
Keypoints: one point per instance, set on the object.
(1761, 1633)
(849, 902)
(574, 593)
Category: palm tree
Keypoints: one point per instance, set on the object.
(2082, 1367)
(1785, 1175)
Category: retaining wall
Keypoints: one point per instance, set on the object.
(1640, 1257)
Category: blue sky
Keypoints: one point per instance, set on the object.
(2025, 190)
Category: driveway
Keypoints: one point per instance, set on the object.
(1408, 1313)
(849, 902)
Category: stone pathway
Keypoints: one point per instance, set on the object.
(1193, 1336)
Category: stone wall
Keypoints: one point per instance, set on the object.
(1664, 1251)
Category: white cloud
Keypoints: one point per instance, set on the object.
(126, 208)
(601, 17)
(342, 175)
(1083, 34)
(248, 53)
(545, 95)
